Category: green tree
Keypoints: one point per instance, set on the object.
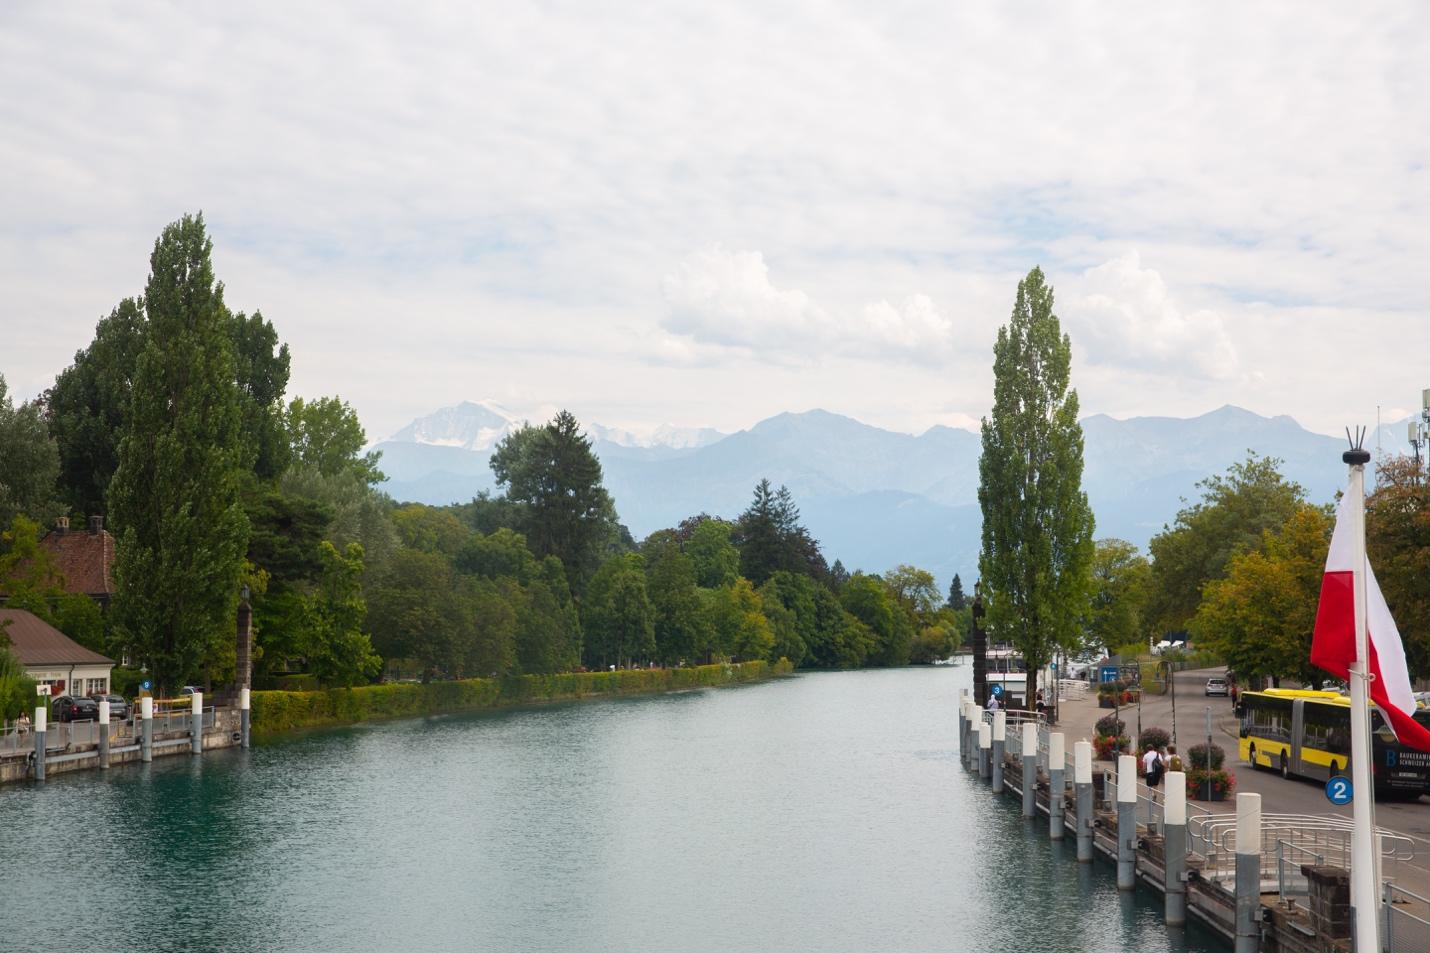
(738, 628)
(867, 599)
(502, 554)
(1397, 539)
(771, 538)
(554, 479)
(1233, 515)
(30, 579)
(675, 599)
(175, 496)
(339, 652)
(956, 598)
(360, 514)
(327, 436)
(616, 614)
(29, 462)
(1260, 615)
(431, 529)
(416, 612)
(88, 407)
(1120, 579)
(17, 690)
(717, 561)
(548, 636)
(261, 367)
(1037, 525)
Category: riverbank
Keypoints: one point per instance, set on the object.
(275, 712)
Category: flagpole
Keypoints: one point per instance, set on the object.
(1365, 891)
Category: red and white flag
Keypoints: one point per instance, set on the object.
(1333, 645)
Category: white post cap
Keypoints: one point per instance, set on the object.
(1175, 811)
(1057, 752)
(1127, 779)
(244, 699)
(1030, 740)
(146, 707)
(1000, 725)
(1082, 762)
(41, 714)
(985, 735)
(198, 703)
(1248, 823)
(104, 711)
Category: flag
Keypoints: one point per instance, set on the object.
(1333, 644)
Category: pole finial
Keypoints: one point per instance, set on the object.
(1357, 455)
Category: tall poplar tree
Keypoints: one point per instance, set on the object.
(175, 496)
(1037, 525)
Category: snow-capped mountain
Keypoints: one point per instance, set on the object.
(471, 425)
(665, 435)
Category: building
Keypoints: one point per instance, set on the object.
(52, 658)
(85, 558)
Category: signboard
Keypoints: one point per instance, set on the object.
(1339, 790)
(145, 685)
(1108, 673)
(996, 690)
(42, 690)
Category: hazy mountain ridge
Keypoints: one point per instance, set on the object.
(876, 498)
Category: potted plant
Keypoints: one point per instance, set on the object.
(1206, 779)
(1110, 736)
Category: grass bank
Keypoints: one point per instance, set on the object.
(276, 712)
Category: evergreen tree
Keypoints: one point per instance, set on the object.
(175, 496)
(760, 542)
(1037, 525)
(956, 598)
(261, 368)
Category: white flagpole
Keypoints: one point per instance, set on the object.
(1365, 891)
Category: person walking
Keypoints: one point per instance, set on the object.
(992, 703)
(1152, 768)
(23, 724)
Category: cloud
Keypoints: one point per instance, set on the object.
(1123, 314)
(726, 298)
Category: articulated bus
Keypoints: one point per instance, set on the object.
(1307, 734)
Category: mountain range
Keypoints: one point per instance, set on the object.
(874, 498)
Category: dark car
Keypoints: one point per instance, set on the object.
(70, 708)
(118, 706)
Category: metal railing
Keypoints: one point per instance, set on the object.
(1407, 921)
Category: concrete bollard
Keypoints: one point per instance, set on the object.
(42, 715)
(985, 749)
(963, 725)
(1126, 822)
(1248, 873)
(103, 734)
(196, 724)
(1030, 769)
(1000, 744)
(1082, 784)
(1057, 765)
(146, 729)
(245, 721)
(1174, 847)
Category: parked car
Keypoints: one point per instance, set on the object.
(70, 708)
(118, 706)
(190, 690)
(1218, 686)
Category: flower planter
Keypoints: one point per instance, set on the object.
(1104, 701)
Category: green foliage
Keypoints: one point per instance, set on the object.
(17, 690)
(1037, 525)
(339, 651)
(1153, 738)
(1222, 784)
(1397, 539)
(712, 549)
(430, 529)
(867, 599)
(29, 462)
(326, 435)
(956, 598)
(680, 623)
(503, 553)
(554, 480)
(1233, 515)
(1197, 756)
(261, 367)
(1109, 726)
(617, 615)
(771, 539)
(738, 627)
(1120, 580)
(174, 497)
(31, 580)
(360, 514)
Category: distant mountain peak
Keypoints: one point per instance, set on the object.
(664, 435)
(471, 425)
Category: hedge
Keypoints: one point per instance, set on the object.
(279, 711)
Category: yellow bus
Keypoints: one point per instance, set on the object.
(1307, 734)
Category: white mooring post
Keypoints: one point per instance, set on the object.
(1126, 822)
(1057, 763)
(41, 716)
(1000, 744)
(1082, 786)
(1174, 844)
(1030, 769)
(245, 700)
(985, 749)
(146, 729)
(196, 726)
(1248, 873)
(104, 733)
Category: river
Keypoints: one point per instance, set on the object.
(826, 812)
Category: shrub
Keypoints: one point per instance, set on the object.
(1197, 757)
(1110, 725)
(1223, 783)
(1103, 746)
(1153, 738)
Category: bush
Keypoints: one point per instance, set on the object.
(1103, 746)
(1197, 757)
(1223, 783)
(1153, 738)
(1110, 725)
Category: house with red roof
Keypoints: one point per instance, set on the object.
(52, 658)
(85, 558)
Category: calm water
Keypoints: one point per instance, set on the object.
(823, 813)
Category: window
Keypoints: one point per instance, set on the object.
(98, 686)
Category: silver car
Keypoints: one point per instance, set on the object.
(1218, 686)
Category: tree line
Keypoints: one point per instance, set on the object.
(175, 424)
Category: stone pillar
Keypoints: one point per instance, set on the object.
(103, 733)
(244, 719)
(1000, 744)
(196, 726)
(1174, 847)
(985, 749)
(1248, 873)
(980, 650)
(42, 715)
(1030, 769)
(1057, 765)
(963, 727)
(243, 674)
(146, 729)
(1082, 784)
(1126, 822)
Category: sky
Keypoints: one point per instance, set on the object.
(706, 214)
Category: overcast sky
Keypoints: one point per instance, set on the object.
(705, 214)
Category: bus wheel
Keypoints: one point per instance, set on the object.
(1251, 756)
(1285, 766)
(1335, 769)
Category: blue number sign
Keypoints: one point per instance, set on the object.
(145, 686)
(996, 690)
(1338, 790)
